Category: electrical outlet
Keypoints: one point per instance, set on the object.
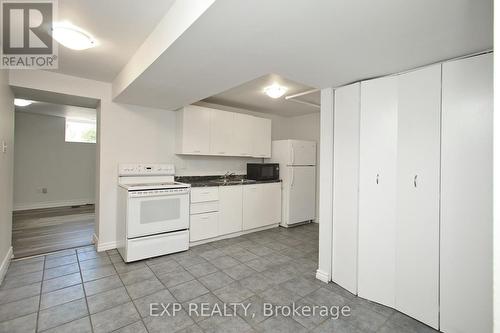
(4, 146)
(42, 190)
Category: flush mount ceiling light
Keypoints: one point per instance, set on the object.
(22, 102)
(72, 37)
(275, 90)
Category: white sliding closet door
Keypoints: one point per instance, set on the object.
(346, 180)
(377, 197)
(417, 226)
(467, 196)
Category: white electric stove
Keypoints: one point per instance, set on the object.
(153, 211)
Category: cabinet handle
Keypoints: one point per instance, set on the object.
(415, 181)
(196, 151)
(376, 179)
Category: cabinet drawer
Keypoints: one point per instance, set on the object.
(204, 207)
(157, 245)
(203, 226)
(202, 194)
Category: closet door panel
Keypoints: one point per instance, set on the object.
(377, 197)
(417, 226)
(346, 180)
(467, 196)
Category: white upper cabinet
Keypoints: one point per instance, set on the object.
(221, 128)
(205, 131)
(193, 130)
(243, 134)
(262, 137)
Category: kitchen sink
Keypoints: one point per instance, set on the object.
(232, 181)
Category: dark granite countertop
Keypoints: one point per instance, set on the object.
(205, 181)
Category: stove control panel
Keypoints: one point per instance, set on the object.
(161, 192)
(146, 169)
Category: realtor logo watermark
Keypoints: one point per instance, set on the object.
(27, 34)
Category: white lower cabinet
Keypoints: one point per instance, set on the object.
(204, 226)
(261, 205)
(230, 209)
(224, 210)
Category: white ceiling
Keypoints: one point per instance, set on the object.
(120, 27)
(59, 110)
(320, 43)
(250, 96)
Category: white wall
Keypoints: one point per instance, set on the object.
(43, 158)
(6, 169)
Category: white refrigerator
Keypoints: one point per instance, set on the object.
(297, 160)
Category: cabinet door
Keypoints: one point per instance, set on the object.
(417, 227)
(261, 137)
(270, 201)
(243, 135)
(203, 226)
(195, 130)
(346, 180)
(467, 196)
(221, 129)
(230, 209)
(252, 214)
(377, 197)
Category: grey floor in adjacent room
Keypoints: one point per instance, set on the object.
(85, 291)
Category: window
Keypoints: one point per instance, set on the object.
(80, 131)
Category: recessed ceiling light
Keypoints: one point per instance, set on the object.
(22, 102)
(275, 90)
(72, 37)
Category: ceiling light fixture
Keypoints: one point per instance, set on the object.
(22, 102)
(275, 90)
(72, 37)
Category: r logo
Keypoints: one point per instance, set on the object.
(27, 27)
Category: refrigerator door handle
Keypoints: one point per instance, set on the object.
(293, 178)
(293, 155)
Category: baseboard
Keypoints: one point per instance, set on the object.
(52, 204)
(4, 266)
(103, 246)
(232, 235)
(322, 276)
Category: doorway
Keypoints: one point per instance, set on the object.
(54, 177)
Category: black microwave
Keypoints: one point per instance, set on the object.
(263, 171)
